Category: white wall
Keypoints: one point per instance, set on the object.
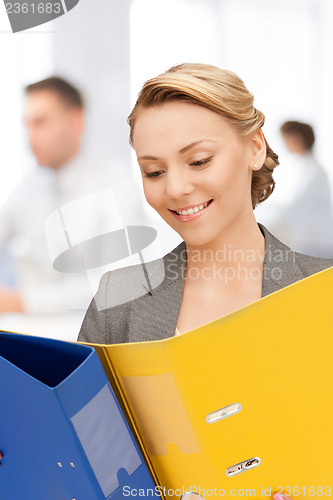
(91, 47)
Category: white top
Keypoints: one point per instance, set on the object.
(22, 228)
(177, 332)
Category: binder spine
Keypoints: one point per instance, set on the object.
(122, 400)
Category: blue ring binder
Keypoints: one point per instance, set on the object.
(62, 432)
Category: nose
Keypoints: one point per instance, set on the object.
(178, 182)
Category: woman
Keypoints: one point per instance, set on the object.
(205, 165)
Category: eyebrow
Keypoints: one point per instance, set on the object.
(181, 151)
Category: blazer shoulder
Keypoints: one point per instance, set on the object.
(106, 320)
(126, 284)
(283, 266)
(307, 264)
(310, 265)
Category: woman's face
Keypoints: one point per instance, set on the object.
(196, 170)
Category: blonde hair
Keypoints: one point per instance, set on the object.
(220, 91)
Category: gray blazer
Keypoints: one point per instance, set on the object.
(142, 302)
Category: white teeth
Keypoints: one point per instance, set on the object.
(192, 210)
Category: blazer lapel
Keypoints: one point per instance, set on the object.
(280, 265)
(154, 316)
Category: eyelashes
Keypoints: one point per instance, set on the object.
(154, 175)
(197, 163)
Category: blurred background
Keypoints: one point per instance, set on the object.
(108, 48)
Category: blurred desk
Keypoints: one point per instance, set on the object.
(57, 326)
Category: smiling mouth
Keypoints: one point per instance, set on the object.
(193, 210)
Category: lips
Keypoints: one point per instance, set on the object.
(190, 209)
(191, 212)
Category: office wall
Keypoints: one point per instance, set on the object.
(282, 50)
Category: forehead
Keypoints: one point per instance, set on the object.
(175, 123)
(41, 102)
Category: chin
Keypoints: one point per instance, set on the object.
(42, 162)
(200, 238)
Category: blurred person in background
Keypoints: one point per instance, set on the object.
(299, 211)
(54, 117)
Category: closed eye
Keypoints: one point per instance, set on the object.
(154, 175)
(199, 163)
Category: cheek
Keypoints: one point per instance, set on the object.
(58, 131)
(153, 192)
(227, 176)
(231, 180)
(47, 138)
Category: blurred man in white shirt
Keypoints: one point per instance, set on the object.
(54, 116)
